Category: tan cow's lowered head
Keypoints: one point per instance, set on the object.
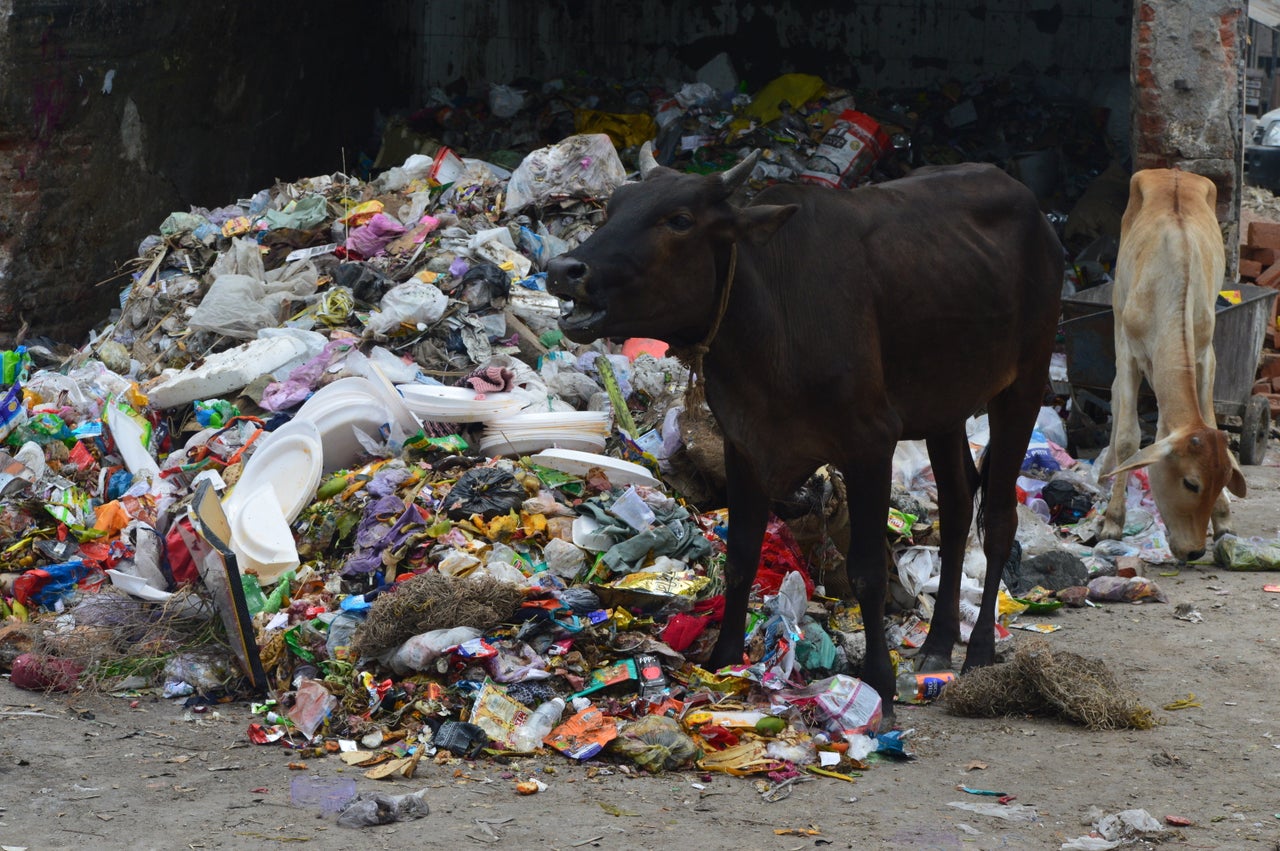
(1188, 470)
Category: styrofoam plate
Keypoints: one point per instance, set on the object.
(291, 466)
(520, 446)
(577, 463)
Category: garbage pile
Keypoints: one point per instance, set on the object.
(332, 452)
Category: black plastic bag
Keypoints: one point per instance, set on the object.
(484, 285)
(366, 284)
(486, 491)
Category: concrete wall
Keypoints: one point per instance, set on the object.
(889, 43)
(207, 102)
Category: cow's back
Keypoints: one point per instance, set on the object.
(946, 278)
(1171, 261)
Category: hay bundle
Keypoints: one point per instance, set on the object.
(1043, 681)
(434, 601)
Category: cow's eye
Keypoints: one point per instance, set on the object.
(680, 222)
(1191, 486)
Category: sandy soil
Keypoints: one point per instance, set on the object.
(95, 773)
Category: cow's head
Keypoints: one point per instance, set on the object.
(1188, 470)
(655, 266)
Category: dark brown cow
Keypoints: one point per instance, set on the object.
(854, 320)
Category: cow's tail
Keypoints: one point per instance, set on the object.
(977, 477)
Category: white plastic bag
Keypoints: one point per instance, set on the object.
(421, 650)
(582, 166)
(233, 307)
(413, 302)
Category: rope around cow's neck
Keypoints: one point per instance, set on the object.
(695, 395)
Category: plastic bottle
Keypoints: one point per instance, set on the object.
(529, 735)
(922, 688)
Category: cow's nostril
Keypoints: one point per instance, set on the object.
(1195, 554)
(575, 271)
(567, 277)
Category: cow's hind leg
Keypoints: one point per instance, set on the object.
(1012, 415)
(748, 515)
(957, 480)
(868, 507)
(1126, 436)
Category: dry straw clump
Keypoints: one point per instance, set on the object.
(1043, 681)
(434, 601)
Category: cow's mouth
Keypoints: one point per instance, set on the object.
(579, 317)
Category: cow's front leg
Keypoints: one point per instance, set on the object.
(1126, 435)
(1221, 516)
(748, 514)
(868, 508)
(957, 480)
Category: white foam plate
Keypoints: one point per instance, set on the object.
(291, 466)
(578, 463)
(261, 537)
(557, 419)
(522, 446)
(336, 409)
(393, 400)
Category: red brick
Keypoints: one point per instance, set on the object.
(1250, 269)
(1270, 365)
(1264, 234)
(1265, 256)
(1262, 386)
(1270, 278)
(1274, 398)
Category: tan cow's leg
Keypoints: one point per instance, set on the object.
(1206, 368)
(1126, 435)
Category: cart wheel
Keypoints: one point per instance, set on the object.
(1255, 429)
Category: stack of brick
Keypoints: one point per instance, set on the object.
(1260, 264)
(1268, 383)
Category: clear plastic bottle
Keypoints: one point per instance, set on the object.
(529, 735)
(922, 688)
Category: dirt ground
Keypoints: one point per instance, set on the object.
(95, 773)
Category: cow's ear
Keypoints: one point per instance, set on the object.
(1235, 482)
(1153, 453)
(758, 223)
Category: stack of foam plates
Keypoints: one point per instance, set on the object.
(337, 410)
(521, 433)
(457, 404)
(577, 463)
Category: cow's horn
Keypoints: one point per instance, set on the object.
(736, 176)
(647, 161)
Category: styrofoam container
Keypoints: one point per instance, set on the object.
(223, 372)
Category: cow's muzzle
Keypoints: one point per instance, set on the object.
(567, 279)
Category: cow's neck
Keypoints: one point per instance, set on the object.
(1173, 378)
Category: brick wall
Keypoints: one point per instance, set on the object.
(1187, 69)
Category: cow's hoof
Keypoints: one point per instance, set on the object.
(931, 662)
(888, 722)
(723, 658)
(979, 657)
(1111, 531)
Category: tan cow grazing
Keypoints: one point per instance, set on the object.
(1168, 273)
